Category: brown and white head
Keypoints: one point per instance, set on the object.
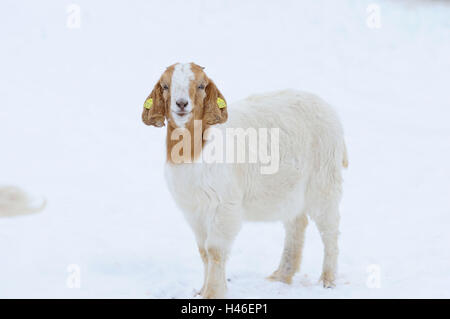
(184, 93)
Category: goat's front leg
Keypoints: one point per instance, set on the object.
(204, 256)
(199, 229)
(224, 227)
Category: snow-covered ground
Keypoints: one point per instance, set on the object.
(70, 130)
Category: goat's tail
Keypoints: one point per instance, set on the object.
(345, 158)
(15, 202)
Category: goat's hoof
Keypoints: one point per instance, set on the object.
(328, 280)
(214, 294)
(328, 284)
(276, 276)
(199, 292)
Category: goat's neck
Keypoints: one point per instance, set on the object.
(175, 143)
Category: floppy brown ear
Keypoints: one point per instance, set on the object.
(215, 110)
(154, 108)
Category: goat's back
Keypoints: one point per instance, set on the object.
(311, 149)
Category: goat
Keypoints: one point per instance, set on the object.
(217, 197)
(15, 202)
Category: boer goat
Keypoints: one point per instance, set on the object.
(15, 202)
(216, 197)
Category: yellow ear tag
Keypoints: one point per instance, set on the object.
(221, 103)
(148, 103)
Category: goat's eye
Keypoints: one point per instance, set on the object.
(201, 86)
(165, 87)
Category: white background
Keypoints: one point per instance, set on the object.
(70, 130)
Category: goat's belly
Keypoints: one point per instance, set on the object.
(272, 206)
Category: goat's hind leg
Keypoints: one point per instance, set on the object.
(328, 225)
(292, 252)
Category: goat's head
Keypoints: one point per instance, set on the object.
(183, 94)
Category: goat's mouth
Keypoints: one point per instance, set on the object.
(181, 113)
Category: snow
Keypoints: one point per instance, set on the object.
(71, 131)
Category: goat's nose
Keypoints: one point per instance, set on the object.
(182, 103)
